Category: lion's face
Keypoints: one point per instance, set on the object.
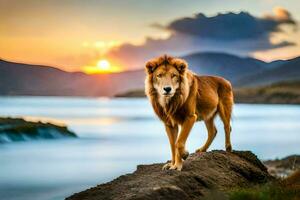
(166, 80)
(164, 74)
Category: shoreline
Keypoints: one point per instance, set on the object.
(22, 129)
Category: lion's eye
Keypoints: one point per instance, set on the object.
(159, 75)
(173, 75)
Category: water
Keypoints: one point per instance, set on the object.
(115, 135)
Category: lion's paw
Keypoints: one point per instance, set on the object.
(228, 148)
(184, 155)
(177, 167)
(167, 166)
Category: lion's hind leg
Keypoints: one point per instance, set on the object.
(225, 109)
(211, 131)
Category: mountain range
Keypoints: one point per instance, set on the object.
(25, 79)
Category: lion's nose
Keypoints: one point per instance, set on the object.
(167, 89)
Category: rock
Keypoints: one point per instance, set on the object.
(201, 174)
(284, 167)
(17, 129)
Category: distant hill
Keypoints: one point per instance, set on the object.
(244, 72)
(229, 66)
(25, 79)
(283, 71)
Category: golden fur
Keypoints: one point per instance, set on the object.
(190, 98)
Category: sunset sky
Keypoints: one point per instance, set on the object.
(77, 35)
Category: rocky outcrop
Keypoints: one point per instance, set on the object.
(203, 175)
(283, 167)
(17, 129)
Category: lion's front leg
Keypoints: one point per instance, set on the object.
(180, 152)
(172, 132)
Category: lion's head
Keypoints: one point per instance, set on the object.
(165, 74)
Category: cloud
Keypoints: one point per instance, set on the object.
(231, 26)
(281, 15)
(237, 33)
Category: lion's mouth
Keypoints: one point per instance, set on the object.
(167, 94)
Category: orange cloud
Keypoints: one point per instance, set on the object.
(281, 14)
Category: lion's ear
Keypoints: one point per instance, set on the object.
(181, 65)
(150, 67)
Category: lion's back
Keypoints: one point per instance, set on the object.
(210, 90)
(212, 83)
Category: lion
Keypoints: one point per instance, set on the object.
(180, 98)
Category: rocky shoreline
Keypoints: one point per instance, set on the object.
(284, 167)
(18, 129)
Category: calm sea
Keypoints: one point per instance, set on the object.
(115, 135)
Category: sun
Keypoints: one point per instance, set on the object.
(103, 65)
